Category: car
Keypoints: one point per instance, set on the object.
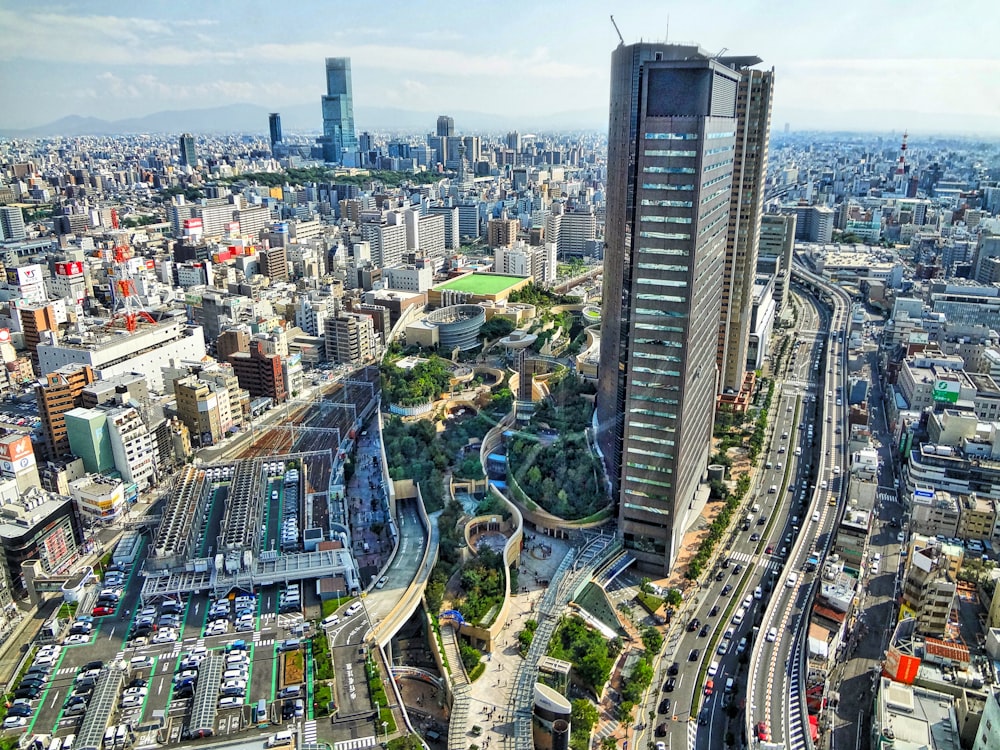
(720, 575)
(230, 701)
(769, 550)
(661, 730)
(290, 691)
(713, 611)
(184, 691)
(143, 691)
(186, 674)
(165, 636)
(762, 734)
(291, 644)
(709, 687)
(772, 635)
(693, 656)
(694, 625)
(664, 706)
(101, 611)
(737, 570)
(722, 648)
(704, 631)
(15, 722)
(758, 593)
(660, 746)
(22, 709)
(726, 589)
(755, 537)
(132, 701)
(77, 639)
(29, 682)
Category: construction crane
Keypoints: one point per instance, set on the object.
(128, 307)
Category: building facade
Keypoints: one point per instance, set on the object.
(670, 169)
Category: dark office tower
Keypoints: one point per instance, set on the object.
(189, 156)
(446, 126)
(753, 131)
(274, 124)
(340, 142)
(671, 139)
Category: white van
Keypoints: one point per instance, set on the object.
(354, 608)
(281, 738)
(330, 621)
(56, 743)
(791, 580)
(713, 669)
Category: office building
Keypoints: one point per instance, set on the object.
(339, 141)
(60, 393)
(188, 155)
(577, 231)
(110, 352)
(445, 126)
(198, 409)
(36, 525)
(98, 499)
(502, 232)
(133, 447)
(12, 224)
(350, 339)
(89, 439)
(670, 170)
(17, 461)
(274, 263)
(260, 373)
(274, 126)
(753, 129)
(777, 241)
(36, 319)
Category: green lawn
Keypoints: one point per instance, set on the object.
(481, 283)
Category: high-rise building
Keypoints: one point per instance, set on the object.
(89, 439)
(60, 393)
(753, 130)
(502, 232)
(12, 223)
(189, 157)
(446, 126)
(777, 242)
(274, 125)
(671, 140)
(274, 263)
(339, 141)
(260, 373)
(133, 447)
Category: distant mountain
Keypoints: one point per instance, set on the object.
(251, 118)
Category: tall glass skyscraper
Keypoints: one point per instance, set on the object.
(339, 141)
(671, 148)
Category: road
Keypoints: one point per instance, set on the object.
(773, 700)
(753, 557)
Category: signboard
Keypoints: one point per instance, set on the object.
(150, 264)
(69, 268)
(946, 391)
(23, 275)
(16, 449)
(193, 223)
(923, 493)
(4, 335)
(901, 667)
(192, 299)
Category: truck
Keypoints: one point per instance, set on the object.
(812, 562)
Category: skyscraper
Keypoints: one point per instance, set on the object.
(753, 130)
(189, 157)
(446, 126)
(340, 142)
(671, 144)
(274, 125)
(12, 223)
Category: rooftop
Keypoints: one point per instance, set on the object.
(481, 283)
(917, 719)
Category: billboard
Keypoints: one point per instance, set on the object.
(4, 335)
(946, 391)
(193, 223)
(901, 667)
(17, 448)
(192, 299)
(23, 275)
(69, 268)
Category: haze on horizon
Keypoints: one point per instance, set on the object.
(878, 65)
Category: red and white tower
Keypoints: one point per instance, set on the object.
(899, 180)
(128, 307)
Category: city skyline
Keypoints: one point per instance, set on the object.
(851, 70)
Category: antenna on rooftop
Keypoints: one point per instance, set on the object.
(666, 37)
(617, 30)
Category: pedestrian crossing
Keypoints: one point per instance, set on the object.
(768, 563)
(358, 743)
(692, 734)
(886, 497)
(309, 731)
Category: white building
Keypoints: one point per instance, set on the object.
(133, 447)
(115, 351)
(410, 278)
(98, 498)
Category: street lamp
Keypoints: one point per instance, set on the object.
(385, 730)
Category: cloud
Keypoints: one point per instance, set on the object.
(147, 86)
(123, 41)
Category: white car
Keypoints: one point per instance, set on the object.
(77, 640)
(167, 635)
(15, 722)
(230, 702)
(132, 701)
(772, 635)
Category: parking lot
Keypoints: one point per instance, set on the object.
(178, 667)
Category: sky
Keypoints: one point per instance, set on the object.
(848, 65)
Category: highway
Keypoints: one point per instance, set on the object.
(774, 701)
(752, 558)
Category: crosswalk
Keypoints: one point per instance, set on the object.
(309, 731)
(769, 563)
(692, 734)
(885, 497)
(359, 743)
(259, 640)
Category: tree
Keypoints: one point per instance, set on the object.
(496, 328)
(584, 714)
